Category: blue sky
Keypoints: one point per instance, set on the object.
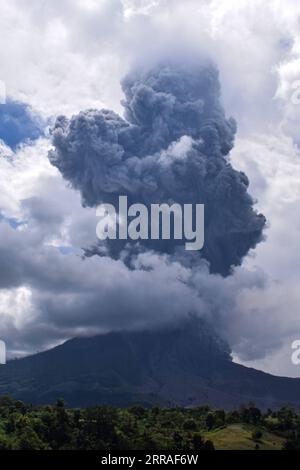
(19, 123)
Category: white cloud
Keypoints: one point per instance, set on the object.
(63, 56)
(271, 316)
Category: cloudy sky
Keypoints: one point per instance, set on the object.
(62, 57)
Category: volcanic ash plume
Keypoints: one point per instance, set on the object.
(171, 146)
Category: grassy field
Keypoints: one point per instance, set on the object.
(239, 437)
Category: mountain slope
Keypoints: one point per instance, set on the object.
(182, 365)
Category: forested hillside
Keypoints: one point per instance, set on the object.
(55, 427)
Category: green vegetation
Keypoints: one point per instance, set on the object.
(182, 429)
(242, 436)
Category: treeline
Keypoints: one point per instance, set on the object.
(30, 427)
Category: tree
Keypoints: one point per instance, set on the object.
(220, 417)
(257, 435)
(198, 442)
(178, 441)
(190, 425)
(210, 421)
(27, 439)
(209, 445)
(254, 415)
(100, 428)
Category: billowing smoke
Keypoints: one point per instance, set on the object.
(171, 146)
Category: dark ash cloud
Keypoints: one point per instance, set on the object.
(172, 146)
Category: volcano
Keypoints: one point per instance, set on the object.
(182, 365)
